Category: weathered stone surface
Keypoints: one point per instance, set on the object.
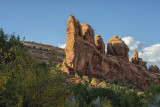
(136, 60)
(99, 44)
(84, 55)
(154, 68)
(87, 33)
(118, 48)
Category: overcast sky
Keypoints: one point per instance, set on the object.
(137, 22)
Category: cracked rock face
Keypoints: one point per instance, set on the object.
(86, 54)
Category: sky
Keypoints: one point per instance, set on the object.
(137, 22)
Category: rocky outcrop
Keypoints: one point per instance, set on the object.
(99, 44)
(86, 54)
(136, 60)
(154, 68)
(118, 48)
(87, 33)
(82, 51)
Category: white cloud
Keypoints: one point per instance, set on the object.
(105, 48)
(133, 44)
(151, 54)
(62, 46)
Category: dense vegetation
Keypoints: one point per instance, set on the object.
(26, 82)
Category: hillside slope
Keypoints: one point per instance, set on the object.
(43, 52)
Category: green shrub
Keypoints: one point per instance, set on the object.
(77, 76)
(26, 82)
(31, 83)
(86, 79)
(103, 84)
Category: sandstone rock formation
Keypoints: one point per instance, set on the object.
(87, 33)
(86, 55)
(136, 60)
(118, 48)
(99, 44)
(81, 52)
(154, 68)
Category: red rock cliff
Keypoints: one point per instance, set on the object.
(87, 55)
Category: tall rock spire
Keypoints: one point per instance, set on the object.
(99, 44)
(136, 60)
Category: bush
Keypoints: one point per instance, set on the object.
(31, 84)
(26, 82)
